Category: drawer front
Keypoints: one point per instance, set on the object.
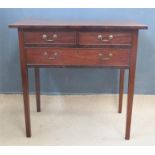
(50, 37)
(103, 38)
(78, 57)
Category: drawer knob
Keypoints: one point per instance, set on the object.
(110, 54)
(105, 39)
(51, 57)
(48, 38)
(102, 58)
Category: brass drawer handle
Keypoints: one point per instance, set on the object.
(46, 38)
(102, 58)
(102, 38)
(53, 57)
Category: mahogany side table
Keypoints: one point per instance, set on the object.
(78, 44)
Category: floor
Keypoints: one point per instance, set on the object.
(77, 120)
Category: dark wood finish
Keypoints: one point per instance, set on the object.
(25, 83)
(78, 44)
(121, 86)
(37, 86)
(91, 38)
(69, 56)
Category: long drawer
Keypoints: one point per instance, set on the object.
(78, 57)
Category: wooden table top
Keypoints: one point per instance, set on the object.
(78, 24)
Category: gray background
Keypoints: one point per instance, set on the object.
(69, 81)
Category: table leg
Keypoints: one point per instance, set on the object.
(37, 87)
(26, 100)
(131, 83)
(121, 86)
(130, 101)
(25, 83)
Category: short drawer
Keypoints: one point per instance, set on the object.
(78, 57)
(103, 38)
(50, 37)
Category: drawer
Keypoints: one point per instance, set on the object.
(50, 37)
(77, 57)
(103, 38)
